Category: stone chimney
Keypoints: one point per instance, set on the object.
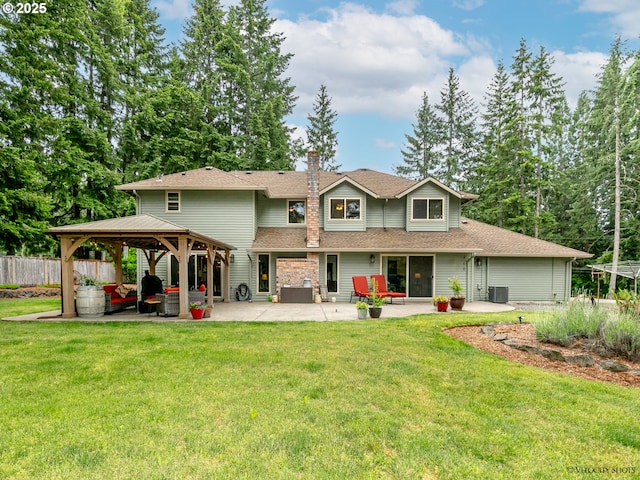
(313, 200)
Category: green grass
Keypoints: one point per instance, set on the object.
(394, 398)
(12, 307)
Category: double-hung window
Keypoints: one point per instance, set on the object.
(427, 209)
(173, 201)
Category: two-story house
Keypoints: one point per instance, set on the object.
(288, 226)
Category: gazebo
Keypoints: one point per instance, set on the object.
(154, 236)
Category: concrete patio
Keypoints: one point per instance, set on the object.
(275, 312)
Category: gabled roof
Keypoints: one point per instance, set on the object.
(286, 184)
(136, 231)
(471, 237)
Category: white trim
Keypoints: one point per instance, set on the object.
(337, 272)
(268, 292)
(167, 201)
(428, 199)
(344, 218)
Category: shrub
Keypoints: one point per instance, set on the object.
(611, 333)
(50, 285)
(10, 286)
(579, 319)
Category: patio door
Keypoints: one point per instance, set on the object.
(410, 274)
(198, 273)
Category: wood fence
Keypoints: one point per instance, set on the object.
(30, 271)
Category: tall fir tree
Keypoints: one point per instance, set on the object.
(321, 135)
(458, 114)
(548, 116)
(268, 96)
(606, 146)
(423, 150)
(495, 177)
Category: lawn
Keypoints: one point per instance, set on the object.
(393, 398)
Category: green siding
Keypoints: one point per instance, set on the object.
(531, 279)
(228, 216)
(430, 190)
(389, 213)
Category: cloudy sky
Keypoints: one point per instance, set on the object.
(377, 58)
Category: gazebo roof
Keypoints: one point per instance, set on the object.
(138, 231)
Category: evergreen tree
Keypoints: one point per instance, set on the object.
(606, 145)
(321, 134)
(495, 177)
(268, 96)
(458, 114)
(423, 153)
(547, 121)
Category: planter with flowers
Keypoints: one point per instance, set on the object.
(375, 310)
(441, 302)
(197, 309)
(362, 310)
(457, 300)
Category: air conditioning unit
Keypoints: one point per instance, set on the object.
(499, 294)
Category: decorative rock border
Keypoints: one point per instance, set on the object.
(581, 360)
(27, 292)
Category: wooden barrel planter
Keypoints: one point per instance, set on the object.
(90, 302)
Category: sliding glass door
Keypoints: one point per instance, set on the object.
(410, 274)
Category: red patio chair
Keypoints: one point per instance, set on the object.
(360, 288)
(381, 284)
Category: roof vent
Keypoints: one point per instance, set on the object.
(248, 172)
(281, 172)
(464, 221)
(159, 178)
(208, 167)
(184, 173)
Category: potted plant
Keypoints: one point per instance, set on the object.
(90, 299)
(197, 309)
(362, 310)
(375, 310)
(441, 302)
(457, 300)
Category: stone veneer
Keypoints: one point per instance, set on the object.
(293, 271)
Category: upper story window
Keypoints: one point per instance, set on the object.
(173, 201)
(345, 209)
(427, 209)
(297, 211)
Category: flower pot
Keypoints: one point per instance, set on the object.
(375, 312)
(197, 313)
(442, 306)
(207, 312)
(456, 303)
(362, 313)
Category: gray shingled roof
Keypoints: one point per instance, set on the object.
(135, 230)
(471, 237)
(277, 184)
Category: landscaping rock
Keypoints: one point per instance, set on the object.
(580, 360)
(487, 330)
(553, 355)
(501, 337)
(613, 366)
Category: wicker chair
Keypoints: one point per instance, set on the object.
(170, 302)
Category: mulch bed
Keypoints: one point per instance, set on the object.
(524, 334)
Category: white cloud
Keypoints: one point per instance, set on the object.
(384, 143)
(625, 14)
(468, 4)
(579, 71)
(174, 9)
(403, 7)
(370, 62)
